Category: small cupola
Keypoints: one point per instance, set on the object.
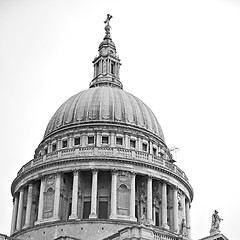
(107, 63)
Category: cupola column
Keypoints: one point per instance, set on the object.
(164, 206)
(113, 214)
(188, 220)
(149, 199)
(57, 196)
(40, 204)
(183, 207)
(93, 213)
(175, 209)
(20, 210)
(75, 195)
(29, 205)
(14, 214)
(132, 198)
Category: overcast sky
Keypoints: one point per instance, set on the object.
(181, 58)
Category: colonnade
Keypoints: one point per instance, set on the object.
(18, 202)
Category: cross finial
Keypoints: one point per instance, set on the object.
(108, 19)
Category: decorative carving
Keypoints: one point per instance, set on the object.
(215, 222)
(184, 229)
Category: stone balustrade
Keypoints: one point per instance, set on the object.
(161, 236)
(101, 152)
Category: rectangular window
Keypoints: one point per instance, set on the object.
(54, 147)
(154, 151)
(112, 67)
(104, 139)
(132, 143)
(64, 143)
(46, 150)
(86, 209)
(103, 210)
(77, 141)
(91, 140)
(119, 141)
(144, 147)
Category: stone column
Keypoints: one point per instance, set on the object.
(29, 205)
(93, 213)
(149, 199)
(164, 206)
(175, 209)
(75, 195)
(20, 210)
(188, 220)
(57, 196)
(132, 198)
(14, 214)
(40, 203)
(184, 207)
(113, 214)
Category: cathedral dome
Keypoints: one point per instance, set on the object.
(104, 104)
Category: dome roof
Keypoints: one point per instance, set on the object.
(104, 104)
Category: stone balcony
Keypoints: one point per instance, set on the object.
(101, 152)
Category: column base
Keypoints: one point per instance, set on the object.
(25, 226)
(133, 219)
(93, 215)
(165, 226)
(73, 217)
(113, 216)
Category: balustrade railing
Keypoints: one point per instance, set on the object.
(104, 151)
(161, 236)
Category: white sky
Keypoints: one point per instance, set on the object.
(181, 58)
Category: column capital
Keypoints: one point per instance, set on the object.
(133, 173)
(75, 171)
(94, 170)
(114, 170)
(57, 173)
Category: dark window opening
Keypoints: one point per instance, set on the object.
(103, 210)
(144, 147)
(91, 140)
(69, 209)
(157, 218)
(112, 67)
(86, 209)
(77, 141)
(154, 151)
(132, 143)
(54, 147)
(46, 150)
(104, 139)
(64, 143)
(119, 141)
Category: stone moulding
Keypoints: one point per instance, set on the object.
(75, 155)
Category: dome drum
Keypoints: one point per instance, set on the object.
(97, 185)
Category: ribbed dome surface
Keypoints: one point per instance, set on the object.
(112, 105)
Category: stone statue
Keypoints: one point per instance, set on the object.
(215, 222)
(184, 228)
